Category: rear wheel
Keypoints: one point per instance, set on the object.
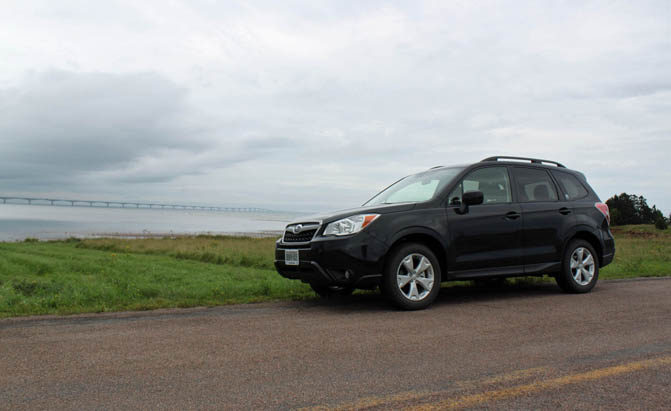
(330, 291)
(580, 268)
(411, 279)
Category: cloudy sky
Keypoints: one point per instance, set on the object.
(317, 105)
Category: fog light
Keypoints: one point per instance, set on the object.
(348, 274)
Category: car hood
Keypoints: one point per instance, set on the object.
(336, 215)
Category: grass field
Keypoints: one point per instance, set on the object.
(113, 275)
(99, 275)
(641, 251)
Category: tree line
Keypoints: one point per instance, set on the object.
(632, 209)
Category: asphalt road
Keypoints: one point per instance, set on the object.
(513, 348)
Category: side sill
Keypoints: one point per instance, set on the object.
(542, 268)
(486, 272)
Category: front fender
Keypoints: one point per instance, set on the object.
(417, 231)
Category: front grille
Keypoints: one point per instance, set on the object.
(302, 237)
(305, 232)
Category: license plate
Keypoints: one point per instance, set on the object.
(291, 257)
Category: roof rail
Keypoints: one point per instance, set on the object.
(436, 167)
(532, 160)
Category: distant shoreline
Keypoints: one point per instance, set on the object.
(18, 222)
(146, 235)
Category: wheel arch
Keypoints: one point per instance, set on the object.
(590, 237)
(428, 238)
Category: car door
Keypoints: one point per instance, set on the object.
(545, 218)
(486, 239)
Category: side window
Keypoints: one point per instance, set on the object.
(572, 188)
(492, 181)
(534, 185)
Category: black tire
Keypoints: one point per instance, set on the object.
(329, 291)
(397, 295)
(566, 279)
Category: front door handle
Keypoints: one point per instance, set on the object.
(564, 211)
(513, 215)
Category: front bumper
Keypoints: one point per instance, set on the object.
(356, 261)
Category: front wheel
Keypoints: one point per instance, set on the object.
(580, 268)
(411, 279)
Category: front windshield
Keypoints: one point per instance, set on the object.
(416, 188)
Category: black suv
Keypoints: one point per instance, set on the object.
(501, 217)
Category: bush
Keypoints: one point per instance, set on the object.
(661, 224)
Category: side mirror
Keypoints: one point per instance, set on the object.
(470, 198)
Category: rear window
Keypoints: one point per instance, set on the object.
(572, 188)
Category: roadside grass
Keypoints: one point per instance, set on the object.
(640, 251)
(238, 251)
(97, 275)
(59, 278)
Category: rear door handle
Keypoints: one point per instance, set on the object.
(564, 211)
(513, 215)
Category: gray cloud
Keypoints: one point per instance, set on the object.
(57, 125)
(319, 105)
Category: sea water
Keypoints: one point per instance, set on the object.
(19, 221)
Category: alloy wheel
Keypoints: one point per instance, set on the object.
(582, 265)
(414, 277)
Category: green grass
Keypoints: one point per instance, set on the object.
(641, 251)
(64, 278)
(97, 275)
(223, 250)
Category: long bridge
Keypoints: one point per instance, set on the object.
(122, 204)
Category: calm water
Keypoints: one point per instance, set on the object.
(18, 222)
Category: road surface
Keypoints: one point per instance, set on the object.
(475, 348)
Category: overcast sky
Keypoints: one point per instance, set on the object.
(318, 105)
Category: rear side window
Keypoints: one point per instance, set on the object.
(573, 190)
(534, 185)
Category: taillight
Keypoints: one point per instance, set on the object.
(604, 210)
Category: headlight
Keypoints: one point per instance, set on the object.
(350, 225)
